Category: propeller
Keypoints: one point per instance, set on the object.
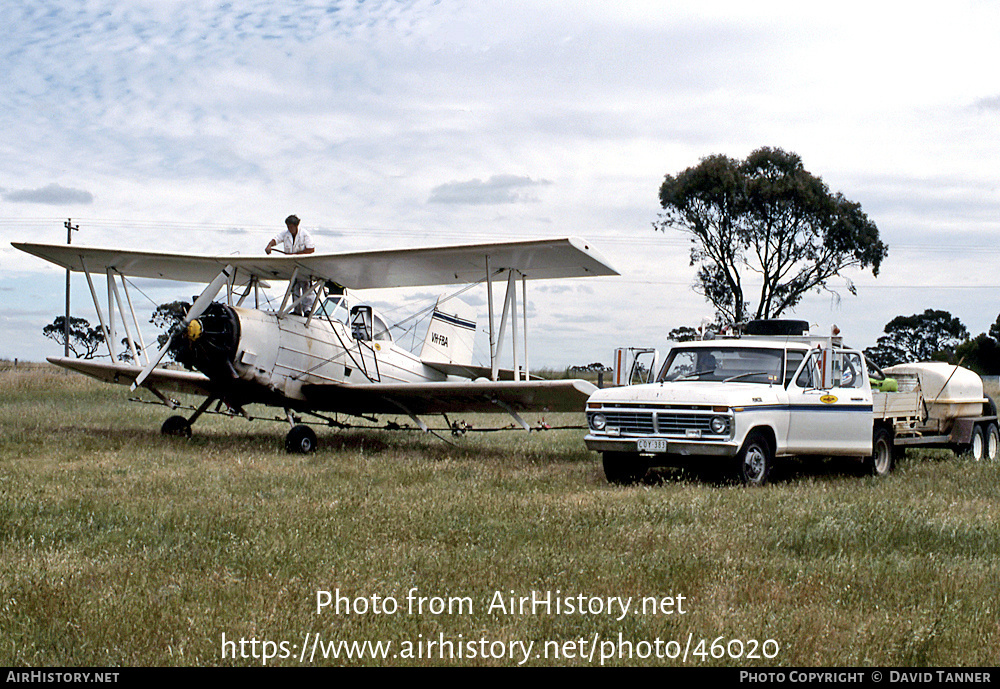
(198, 308)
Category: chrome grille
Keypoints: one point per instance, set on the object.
(640, 423)
(681, 423)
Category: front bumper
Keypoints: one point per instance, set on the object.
(685, 448)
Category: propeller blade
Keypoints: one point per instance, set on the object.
(198, 308)
(153, 363)
(202, 302)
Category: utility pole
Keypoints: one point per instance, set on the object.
(69, 240)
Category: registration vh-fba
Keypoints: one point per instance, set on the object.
(319, 352)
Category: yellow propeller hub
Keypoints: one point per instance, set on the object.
(194, 330)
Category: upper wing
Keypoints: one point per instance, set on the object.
(143, 264)
(540, 259)
(161, 378)
(451, 397)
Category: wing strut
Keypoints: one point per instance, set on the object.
(100, 313)
(510, 410)
(509, 309)
(416, 419)
(108, 323)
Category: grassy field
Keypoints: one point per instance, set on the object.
(122, 547)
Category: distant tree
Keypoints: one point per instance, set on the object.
(84, 340)
(931, 335)
(167, 317)
(126, 353)
(766, 217)
(981, 354)
(683, 334)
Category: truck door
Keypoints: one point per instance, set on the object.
(830, 405)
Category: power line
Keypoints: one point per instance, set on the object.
(606, 236)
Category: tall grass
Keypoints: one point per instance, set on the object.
(122, 547)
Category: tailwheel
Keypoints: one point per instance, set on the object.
(176, 426)
(300, 440)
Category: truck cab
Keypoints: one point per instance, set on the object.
(736, 403)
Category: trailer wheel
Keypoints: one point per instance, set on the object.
(883, 453)
(976, 447)
(624, 468)
(755, 460)
(992, 442)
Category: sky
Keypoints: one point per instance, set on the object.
(197, 127)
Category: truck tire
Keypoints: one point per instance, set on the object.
(991, 439)
(624, 468)
(755, 461)
(883, 457)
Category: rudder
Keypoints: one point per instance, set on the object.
(451, 333)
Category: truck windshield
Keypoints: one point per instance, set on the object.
(737, 364)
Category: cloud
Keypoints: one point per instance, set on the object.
(497, 189)
(991, 103)
(53, 195)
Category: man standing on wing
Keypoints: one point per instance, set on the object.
(295, 241)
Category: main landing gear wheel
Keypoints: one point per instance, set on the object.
(300, 440)
(755, 460)
(176, 426)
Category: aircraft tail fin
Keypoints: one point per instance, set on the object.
(451, 334)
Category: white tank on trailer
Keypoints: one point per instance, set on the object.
(949, 391)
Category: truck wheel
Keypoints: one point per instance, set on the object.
(624, 468)
(883, 453)
(755, 460)
(992, 442)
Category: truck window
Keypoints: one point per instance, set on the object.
(847, 371)
(808, 375)
(793, 358)
(724, 363)
(851, 371)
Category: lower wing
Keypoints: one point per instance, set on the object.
(451, 397)
(123, 374)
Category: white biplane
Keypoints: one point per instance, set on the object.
(318, 352)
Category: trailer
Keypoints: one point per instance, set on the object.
(935, 404)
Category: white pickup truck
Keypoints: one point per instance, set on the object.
(741, 402)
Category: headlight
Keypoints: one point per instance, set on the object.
(719, 424)
(598, 422)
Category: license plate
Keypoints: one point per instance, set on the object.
(651, 445)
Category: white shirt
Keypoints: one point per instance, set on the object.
(295, 245)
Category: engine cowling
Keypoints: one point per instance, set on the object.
(209, 342)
